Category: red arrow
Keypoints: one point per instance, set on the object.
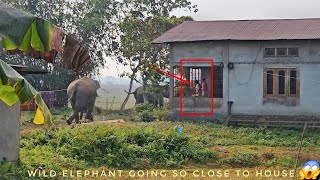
(168, 74)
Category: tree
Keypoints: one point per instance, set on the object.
(136, 49)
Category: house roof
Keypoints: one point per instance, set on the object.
(24, 70)
(273, 29)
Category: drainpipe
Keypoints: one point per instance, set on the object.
(228, 90)
(229, 107)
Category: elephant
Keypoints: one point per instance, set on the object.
(82, 95)
(155, 99)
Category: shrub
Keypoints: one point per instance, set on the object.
(145, 116)
(144, 107)
(144, 112)
(241, 159)
(286, 162)
(161, 113)
(96, 146)
(268, 155)
(5, 169)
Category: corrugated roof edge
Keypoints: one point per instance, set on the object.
(160, 39)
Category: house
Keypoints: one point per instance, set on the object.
(262, 72)
(47, 96)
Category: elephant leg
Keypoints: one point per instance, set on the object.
(89, 114)
(72, 102)
(75, 115)
(89, 110)
(78, 108)
(77, 118)
(81, 115)
(69, 121)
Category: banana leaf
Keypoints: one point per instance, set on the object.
(14, 88)
(22, 32)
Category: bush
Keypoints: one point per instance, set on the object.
(143, 107)
(5, 168)
(98, 146)
(268, 156)
(241, 159)
(144, 112)
(145, 116)
(161, 114)
(286, 162)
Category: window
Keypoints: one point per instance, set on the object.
(281, 82)
(281, 52)
(293, 51)
(269, 82)
(200, 78)
(218, 82)
(269, 52)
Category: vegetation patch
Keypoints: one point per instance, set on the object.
(96, 146)
(241, 159)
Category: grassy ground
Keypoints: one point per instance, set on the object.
(111, 97)
(235, 149)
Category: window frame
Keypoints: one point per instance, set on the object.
(298, 54)
(281, 56)
(275, 77)
(216, 94)
(265, 52)
(286, 54)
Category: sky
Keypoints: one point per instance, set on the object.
(239, 10)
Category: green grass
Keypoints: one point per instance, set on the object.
(141, 145)
(226, 136)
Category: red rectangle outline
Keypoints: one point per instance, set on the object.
(212, 87)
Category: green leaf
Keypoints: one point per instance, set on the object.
(8, 45)
(8, 95)
(23, 90)
(36, 42)
(25, 45)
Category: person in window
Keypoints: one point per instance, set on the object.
(204, 87)
(197, 88)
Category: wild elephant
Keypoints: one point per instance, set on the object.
(82, 95)
(155, 99)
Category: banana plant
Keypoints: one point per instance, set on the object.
(24, 33)
(14, 88)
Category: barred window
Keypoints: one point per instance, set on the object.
(269, 52)
(281, 52)
(200, 78)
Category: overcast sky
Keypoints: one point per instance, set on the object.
(241, 9)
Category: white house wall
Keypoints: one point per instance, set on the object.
(247, 93)
(9, 131)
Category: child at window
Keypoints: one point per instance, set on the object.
(204, 87)
(197, 88)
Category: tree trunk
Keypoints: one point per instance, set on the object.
(128, 94)
(144, 87)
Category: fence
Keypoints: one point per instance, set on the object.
(108, 99)
(113, 103)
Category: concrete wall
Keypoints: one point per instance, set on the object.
(9, 131)
(246, 90)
